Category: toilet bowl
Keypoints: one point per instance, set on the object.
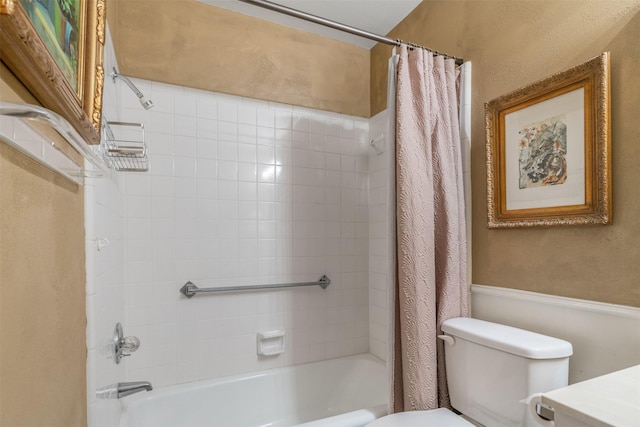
(491, 370)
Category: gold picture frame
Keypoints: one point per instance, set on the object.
(548, 151)
(56, 50)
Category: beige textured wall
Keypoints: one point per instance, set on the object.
(42, 291)
(188, 43)
(514, 43)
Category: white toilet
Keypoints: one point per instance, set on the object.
(491, 368)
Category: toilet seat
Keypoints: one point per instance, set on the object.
(441, 417)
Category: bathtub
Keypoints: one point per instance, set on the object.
(345, 392)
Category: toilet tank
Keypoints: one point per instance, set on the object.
(492, 367)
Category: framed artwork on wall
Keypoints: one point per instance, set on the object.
(548, 151)
(55, 48)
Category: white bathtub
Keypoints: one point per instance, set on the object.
(345, 392)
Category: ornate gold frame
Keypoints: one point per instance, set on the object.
(593, 77)
(24, 52)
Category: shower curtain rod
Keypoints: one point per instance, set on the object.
(340, 27)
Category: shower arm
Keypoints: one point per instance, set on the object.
(115, 75)
(146, 103)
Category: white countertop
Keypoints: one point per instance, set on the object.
(608, 400)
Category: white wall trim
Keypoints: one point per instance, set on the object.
(573, 303)
(604, 336)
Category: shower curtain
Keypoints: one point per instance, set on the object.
(431, 280)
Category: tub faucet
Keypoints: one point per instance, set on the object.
(126, 389)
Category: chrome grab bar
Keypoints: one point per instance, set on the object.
(189, 289)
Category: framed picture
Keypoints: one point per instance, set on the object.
(55, 48)
(548, 151)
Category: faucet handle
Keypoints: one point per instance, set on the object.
(130, 344)
(123, 346)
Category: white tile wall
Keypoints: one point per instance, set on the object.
(380, 280)
(105, 273)
(105, 293)
(465, 140)
(242, 191)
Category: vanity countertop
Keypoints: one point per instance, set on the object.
(609, 400)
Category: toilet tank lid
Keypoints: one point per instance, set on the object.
(506, 338)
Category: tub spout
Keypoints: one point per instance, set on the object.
(126, 389)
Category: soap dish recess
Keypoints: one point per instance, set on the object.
(270, 343)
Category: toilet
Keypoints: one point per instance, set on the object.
(491, 370)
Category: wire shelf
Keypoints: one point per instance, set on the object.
(124, 147)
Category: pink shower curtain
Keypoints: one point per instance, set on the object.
(431, 284)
